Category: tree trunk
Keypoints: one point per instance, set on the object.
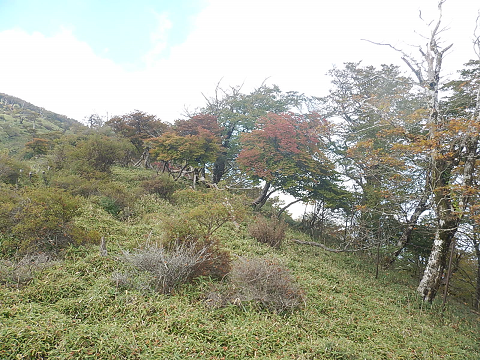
(220, 165)
(476, 245)
(407, 233)
(219, 168)
(262, 198)
(433, 273)
(282, 210)
(448, 221)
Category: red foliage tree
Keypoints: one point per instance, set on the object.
(286, 152)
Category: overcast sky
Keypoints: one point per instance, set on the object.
(79, 57)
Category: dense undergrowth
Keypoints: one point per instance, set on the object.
(242, 298)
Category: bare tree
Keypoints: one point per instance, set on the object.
(451, 160)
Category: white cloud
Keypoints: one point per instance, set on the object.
(59, 73)
(292, 43)
(158, 38)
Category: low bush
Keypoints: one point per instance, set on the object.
(196, 229)
(163, 185)
(260, 281)
(37, 220)
(169, 268)
(117, 199)
(16, 273)
(11, 169)
(268, 231)
(75, 184)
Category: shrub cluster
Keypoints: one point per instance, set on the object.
(197, 227)
(35, 220)
(10, 169)
(21, 272)
(268, 231)
(163, 185)
(260, 281)
(169, 268)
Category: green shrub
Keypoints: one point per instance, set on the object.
(185, 232)
(117, 199)
(163, 185)
(268, 231)
(42, 220)
(109, 205)
(75, 184)
(11, 169)
(196, 228)
(90, 156)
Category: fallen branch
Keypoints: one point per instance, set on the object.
(326, 248)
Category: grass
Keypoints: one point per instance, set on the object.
(74, 308)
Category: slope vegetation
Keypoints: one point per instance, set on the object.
(79, 307)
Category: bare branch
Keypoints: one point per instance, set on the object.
(417, 72)
(384, 44)
(408, 60)
(324, 247)
(476, 37)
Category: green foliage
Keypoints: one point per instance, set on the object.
(76, 184)
(462, 100)
(92, 306)
(41, 220)
(97, 154)
(11, 169)
(116, 198)
(90, 156)
(199, 224)
(89, 306)
(163, 185)
(208, 212)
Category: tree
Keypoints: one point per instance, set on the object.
(38, 146)
(138, 127)
(377, 117)
(285, 151)
(94, 121)
(452, 166)
(190, 143)
(237, 113)
(450, 145)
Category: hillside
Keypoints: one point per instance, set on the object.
(101, 259)
(21, 121)
(83, 306)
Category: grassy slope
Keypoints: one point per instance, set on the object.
(17, 125)
(73, 310)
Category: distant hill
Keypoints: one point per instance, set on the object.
(21, 121)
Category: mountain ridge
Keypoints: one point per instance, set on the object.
(22, 121)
